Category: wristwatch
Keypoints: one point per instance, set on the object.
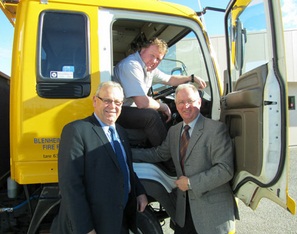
(192, 78)
(189, 184)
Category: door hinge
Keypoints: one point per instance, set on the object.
(268, 103)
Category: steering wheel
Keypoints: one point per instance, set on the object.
(164, 93)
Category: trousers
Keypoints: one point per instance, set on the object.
(147, 119)
(189, 227)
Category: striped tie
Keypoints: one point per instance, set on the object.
(184, 141)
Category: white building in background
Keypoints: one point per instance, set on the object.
(218, 44)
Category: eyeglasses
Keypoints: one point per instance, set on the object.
(107, 101)
(189, 102)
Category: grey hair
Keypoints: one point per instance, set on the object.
(110, 84)
(187, 86)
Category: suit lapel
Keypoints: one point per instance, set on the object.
(125, 144)
(102, 138)
(196, 134)
(177, 136)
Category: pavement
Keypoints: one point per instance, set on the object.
(268, 217)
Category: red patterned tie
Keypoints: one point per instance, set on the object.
(184, 141)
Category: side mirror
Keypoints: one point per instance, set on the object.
(240, 40)
(177, 71)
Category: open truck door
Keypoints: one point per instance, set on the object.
(254, 104)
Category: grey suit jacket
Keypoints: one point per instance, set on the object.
(91, 181)
(209, 166)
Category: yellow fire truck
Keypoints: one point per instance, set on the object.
(63, 49)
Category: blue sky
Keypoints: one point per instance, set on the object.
(6, 38)
(212, 20)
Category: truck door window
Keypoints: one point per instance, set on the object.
(184, 57)
(186, 53)
(246, 40)
(63, 55)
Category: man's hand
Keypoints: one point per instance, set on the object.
(201, 83)
(164, 108)
(141, 202)
(182, 183)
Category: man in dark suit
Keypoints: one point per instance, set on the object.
(205, 201)
(92, 182)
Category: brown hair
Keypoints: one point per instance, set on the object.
(160, 43)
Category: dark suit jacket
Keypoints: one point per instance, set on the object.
(91, 182)
(209, 165)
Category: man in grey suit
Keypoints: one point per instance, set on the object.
(91, 180)
(205, 201)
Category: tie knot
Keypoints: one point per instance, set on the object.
(111, 129)
(113, 133)
(186, 127)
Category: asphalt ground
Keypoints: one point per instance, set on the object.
(268, 217)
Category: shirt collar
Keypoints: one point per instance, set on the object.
(139, 59)
(192, 124)
(104, 126)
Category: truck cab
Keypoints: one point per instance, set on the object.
(63, 49)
